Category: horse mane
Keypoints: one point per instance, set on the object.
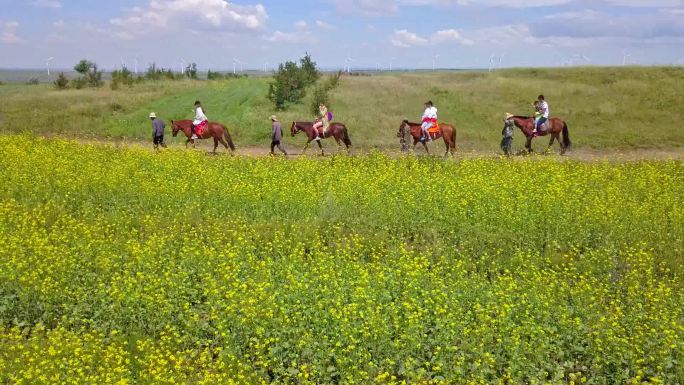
(522, 117)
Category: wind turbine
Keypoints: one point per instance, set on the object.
(266, 67)
(491, 63)
(182, 71)
(348, 64)
(501, 59)
(434, 62)
(585, 58)
(625, 56)
(123, 63)
(47, 64)
(391, 62)
(136, 64)
(235, 63)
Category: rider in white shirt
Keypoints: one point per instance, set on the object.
(429, 120)
(544, 117)
(199, 118)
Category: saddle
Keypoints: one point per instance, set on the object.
(199, 129)
(545, 126)
(434, 129)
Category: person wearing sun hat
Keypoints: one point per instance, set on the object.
(276, 135)
(507, 133)
(158, 127)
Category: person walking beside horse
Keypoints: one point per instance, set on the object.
(158, 127)
(507, 133)
(276, 135)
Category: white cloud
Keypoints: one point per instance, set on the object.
(368, 7)
(301, 24)
(8, 32)
(404, 38)
(58, 24)
(323, 25)
(449, 36)
(647, 3)
(167, 15)
(297, 37)
(47, 3)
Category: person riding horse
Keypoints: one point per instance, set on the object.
(542, 114)
(429, 121)
(200, 120)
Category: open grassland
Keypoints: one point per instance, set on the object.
(125, 266)
(606, 108)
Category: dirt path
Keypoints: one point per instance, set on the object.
(588, 155)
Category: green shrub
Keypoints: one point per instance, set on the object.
(90, 74)
(62, 82)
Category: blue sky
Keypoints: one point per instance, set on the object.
(374, 33)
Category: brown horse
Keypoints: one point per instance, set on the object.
(446, 132)
(336, 130)
(217, 131)
(556, 126)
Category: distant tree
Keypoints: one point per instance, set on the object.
(291, 80)
(90, 75)
(122, 77)
(191, 71)
(310, 73)
(33, 81)
(211, 75)
(62, 82)
(288, 86)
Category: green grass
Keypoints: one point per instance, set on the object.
(606, 108)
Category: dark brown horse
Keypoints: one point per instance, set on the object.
(217, 131)
(446, 132)
(336, 130)
(556, 126)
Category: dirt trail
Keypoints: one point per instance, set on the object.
(588, 155)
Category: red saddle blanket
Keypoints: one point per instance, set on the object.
(199, 129)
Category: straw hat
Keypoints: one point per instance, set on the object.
(153, 115)
(509, 116)
(274, 118)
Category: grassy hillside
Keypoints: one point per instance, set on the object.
(606, 108)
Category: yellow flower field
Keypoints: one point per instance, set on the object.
(124, 266)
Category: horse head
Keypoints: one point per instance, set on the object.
(294, 129)
(175, 127)
(402, 128)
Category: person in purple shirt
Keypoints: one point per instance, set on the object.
(158, 127)
(276, 135)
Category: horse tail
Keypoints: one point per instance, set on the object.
(229, 139)
(345, 138)
(566, 136)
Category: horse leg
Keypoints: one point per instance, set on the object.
(553, 137)
(321, 147)
(426, 148)
(528, 144)
(215, 144)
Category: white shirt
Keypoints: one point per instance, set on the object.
(199, 116)
(545, 109)
(430, 112)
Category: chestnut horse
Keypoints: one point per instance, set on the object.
(336, 130)
(556, 126)
(217, 131)
(446, 132)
